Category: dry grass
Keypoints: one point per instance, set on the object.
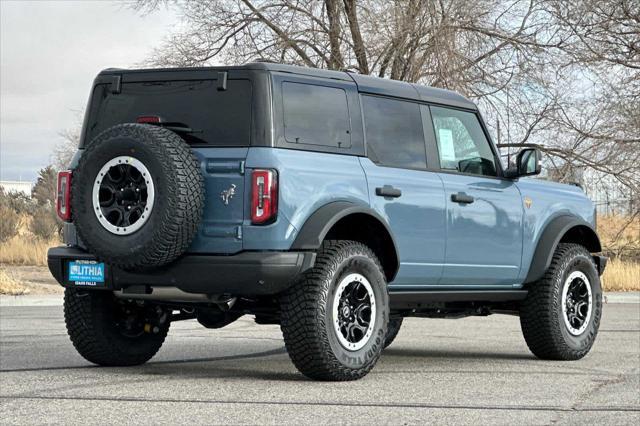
(621, 275)
(620, 235)
(10, 285)
(26, 250)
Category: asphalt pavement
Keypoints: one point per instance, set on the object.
(472, 370)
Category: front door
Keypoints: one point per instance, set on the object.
(484, 211)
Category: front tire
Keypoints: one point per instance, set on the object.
(112, 332)
(334, 319)
(561, 315)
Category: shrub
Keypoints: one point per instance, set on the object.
(9, 223)
(18, 201)
(44, 223)
(10, 285)
(44, 191)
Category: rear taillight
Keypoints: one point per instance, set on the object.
(264, 196)
(63, 199)
(149, 119)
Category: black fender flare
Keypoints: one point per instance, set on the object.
(318, 225)
(555, 230)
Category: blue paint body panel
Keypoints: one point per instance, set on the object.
(223, 169)
(548, 201)
(484, 238)
(443, 244)
(305, 184)
(306, 181)
(417, 220)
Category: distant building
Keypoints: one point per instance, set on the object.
(16, 186)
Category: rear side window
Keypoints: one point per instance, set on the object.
(217, 117)
(462, 145)
(394, 132)
(316, 115)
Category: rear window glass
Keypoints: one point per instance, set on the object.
(216, 117)
(394, 132)
(316, 115)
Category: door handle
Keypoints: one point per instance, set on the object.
(388, 191)
(462, 198)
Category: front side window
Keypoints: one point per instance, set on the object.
(316, 115)
(394, 132)
(462, 145)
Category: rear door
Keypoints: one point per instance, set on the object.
(484, 211)
(215, 120)
(403, 190)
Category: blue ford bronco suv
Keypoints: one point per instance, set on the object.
(330, 203)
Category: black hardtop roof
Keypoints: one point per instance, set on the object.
(365, 83)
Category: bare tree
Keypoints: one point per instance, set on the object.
(596, 123)
(63, 151)
(560, 74)
(453, 43)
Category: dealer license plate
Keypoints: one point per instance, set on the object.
(86, 273)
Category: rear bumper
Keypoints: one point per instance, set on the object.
(243, 274)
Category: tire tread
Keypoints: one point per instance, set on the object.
(539, 319)
(86, 319)
(185, 198)
(303, 313)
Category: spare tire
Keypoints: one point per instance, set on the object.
(137, 196)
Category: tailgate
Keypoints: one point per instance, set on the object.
(221, 227)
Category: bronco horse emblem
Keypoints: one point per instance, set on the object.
(228, 194)
(528, 202)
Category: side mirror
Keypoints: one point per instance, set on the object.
(527, 164)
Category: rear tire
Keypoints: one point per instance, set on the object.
(561, 315)
(104, 334)
(392, 331)
(326, 328)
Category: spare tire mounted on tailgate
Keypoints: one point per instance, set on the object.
(137, 196)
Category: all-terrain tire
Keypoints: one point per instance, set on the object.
(179, 196)
(307, 314)
(542, 313)
(92, 325)
(392, 331)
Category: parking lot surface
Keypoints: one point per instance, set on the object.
(472, 370)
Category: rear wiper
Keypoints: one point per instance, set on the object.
(180, 129)
(183, 129)
(156, 120)
(177, 127)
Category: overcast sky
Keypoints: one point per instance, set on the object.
(50, 51)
